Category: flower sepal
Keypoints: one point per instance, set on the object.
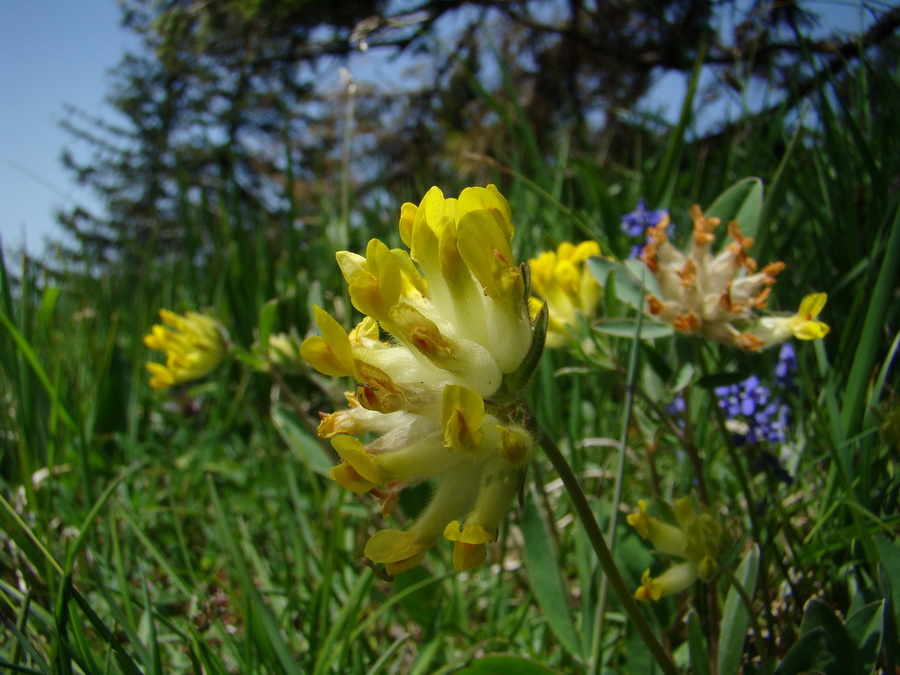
(514, 383)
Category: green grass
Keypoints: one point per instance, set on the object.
(195, 531)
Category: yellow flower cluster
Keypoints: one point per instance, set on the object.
(193, 344)
(559, 278)
(435, 399)
(698, 539)
(717, 296)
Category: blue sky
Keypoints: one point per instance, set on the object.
(52, 52)
(58, 52)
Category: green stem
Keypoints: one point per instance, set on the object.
(744, 481)
(604, 555)
(617, 493)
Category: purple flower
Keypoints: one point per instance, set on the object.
(755, 415)
(635, 223)
(787, 364)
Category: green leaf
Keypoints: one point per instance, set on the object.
(628, 328)
(684, 377)
(866, 627)
(809, 653)
(666, 176)
(775, 195)
(542, 565)
(420, 595)
(880, 298)
(266, 321)
(889, 571)
(697, 647)
(742, 202)
(819, 614)
(48, 305)
(721, 380)
(301, 441)
(499, 664)
(642, 273)
(735, 615)
(633, 281)
(32, 358)
(824, 645)
(85, 528)
(262, 623)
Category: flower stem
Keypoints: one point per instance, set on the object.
(604, 555)
(631, 385)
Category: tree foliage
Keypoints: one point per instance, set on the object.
(238, 102)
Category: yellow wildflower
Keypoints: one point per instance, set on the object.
(438, 399)
(193, 344)
(559, 278)
(718, 296)
(802, 325)
(698, 539)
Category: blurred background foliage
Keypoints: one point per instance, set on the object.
(194, 531)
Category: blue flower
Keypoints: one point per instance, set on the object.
(755, 415)
(635, 223)
(787, 364)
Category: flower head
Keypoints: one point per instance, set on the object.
(559, 278)
(431, 401)
(752, 413)
(193, 343)
(803, 325)
(718, 295)
(697, 539)
(636, 222)
(786, 365)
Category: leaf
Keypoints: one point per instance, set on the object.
(420, 603)
(866, 627)
(889, 573)
(32, 358)
(697, 647)
(262, 623)
(809, 653)
(633, 281)
(298, 439)
(735, 615)
(48, 305)
(775, 194)
(628, 328)
(824, 644)
(880, 299)
(266, 321)
(546, 578)
(497, 664)
(716, 380)
(642, 273)
(684, 377)
(742, 202)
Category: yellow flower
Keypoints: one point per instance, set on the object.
(802, 325)
(559, 278)
(193, 343)
(438, 399)
(698, 539)
(718, 296)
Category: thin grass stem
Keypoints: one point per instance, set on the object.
(604, 554)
